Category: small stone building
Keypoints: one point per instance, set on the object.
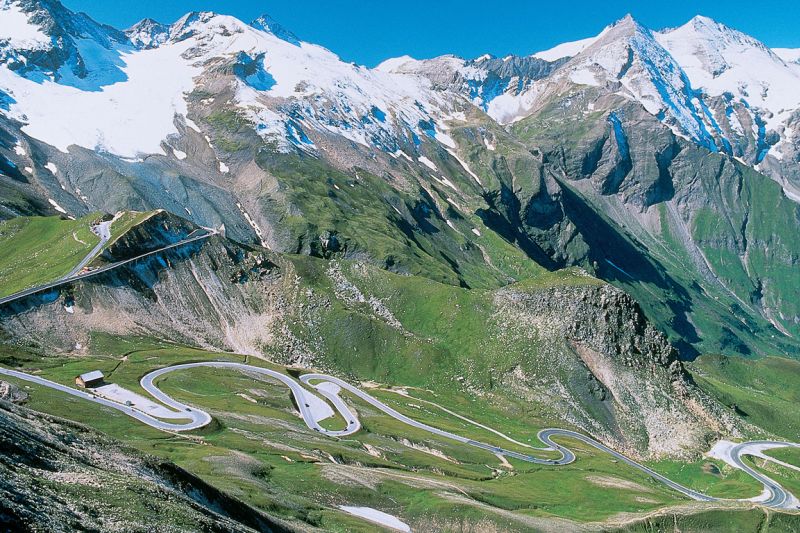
(90, 379)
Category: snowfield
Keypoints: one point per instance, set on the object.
(126, 118)
(129, 106)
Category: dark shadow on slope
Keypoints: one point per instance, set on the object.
(503, 218)
(621, 262)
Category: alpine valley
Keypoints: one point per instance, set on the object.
(602, 238)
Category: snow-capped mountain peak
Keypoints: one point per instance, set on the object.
(69, 80)
(44, 40)
(148, 33)
(627, 55)
(720, 60)
(286, 88)
(268, 24)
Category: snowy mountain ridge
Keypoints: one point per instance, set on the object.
(69, 80)
(140, 83)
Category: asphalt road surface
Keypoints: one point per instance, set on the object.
(102, 230)
(330, 387)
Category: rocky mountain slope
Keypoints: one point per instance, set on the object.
(47, 462)
(458, 170)
(597, 364)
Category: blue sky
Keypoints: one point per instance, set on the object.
(368, 31)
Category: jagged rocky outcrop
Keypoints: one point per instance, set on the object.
(214, 293)
(61, 476)
(11, 393)
(605, 368)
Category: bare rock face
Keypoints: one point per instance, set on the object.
(607, 369)
(11, 393)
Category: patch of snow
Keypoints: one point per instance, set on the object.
(378, 517)
(489, 145)
(253, 225)
(569, 49)
(56, 206)
(453, 203)
(428, 163)
(126, 118)
(18, 31)
(192, 125)
(52, 168)
(223, 168)
(393, 64)
(466, 167)
(179, 154)
(29, 170)
(400, 153)
(449, 223)
(476, 231)
(445, 181)
(790, 55)
(19, 150)
(791, 195)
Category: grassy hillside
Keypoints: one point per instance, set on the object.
(52, 470)
(37, 250)
(259, 451)
(765, 392)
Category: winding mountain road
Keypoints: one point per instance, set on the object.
(71, 278)
(102, 230)
(329, 387)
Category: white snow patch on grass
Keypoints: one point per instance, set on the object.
(445, 181)
(445, 139)
(223, 168)
(378, 517)
(465, 166)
